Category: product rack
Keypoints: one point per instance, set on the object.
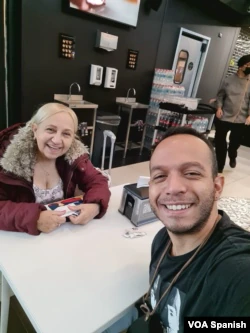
(168, 115)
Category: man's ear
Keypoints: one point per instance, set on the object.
(218, 185)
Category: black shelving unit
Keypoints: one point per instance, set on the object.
(168, 114)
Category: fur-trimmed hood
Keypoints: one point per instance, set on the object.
(20, 155)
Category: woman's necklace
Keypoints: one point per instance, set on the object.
(45, 171)
(47, 174)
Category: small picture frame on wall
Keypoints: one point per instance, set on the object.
(67, 46)
(132, 59)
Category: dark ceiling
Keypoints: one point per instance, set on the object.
(232, 12)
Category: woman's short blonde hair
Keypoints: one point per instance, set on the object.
(50, 109)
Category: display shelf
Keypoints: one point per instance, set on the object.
(168, 115)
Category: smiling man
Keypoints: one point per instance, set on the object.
(210, 253)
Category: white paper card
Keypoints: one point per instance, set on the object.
(68, 212)
(143, 181)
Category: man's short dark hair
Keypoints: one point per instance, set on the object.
(190, 131)
(244, 60)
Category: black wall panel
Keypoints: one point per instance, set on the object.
(43, 73)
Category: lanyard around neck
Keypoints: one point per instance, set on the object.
(144, 307)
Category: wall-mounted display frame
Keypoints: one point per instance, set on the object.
(67, 46)
(132, 59)
(122, 11)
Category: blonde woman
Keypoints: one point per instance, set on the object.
(43, 162)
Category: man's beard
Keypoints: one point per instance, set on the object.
(205, 210)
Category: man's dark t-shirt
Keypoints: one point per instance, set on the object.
(215, 284)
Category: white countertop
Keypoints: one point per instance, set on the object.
(78, 278)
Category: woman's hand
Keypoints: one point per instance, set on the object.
(50, 220)
(219, 113)
(87, 212)
(247, 121)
